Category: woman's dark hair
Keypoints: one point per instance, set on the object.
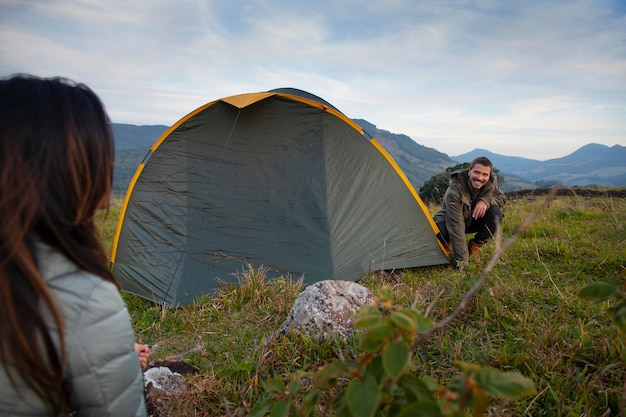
(56, 169)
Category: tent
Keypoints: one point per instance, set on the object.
(278, 179)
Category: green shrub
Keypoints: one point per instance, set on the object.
(381, 381)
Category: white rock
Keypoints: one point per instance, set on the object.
(163, 379)
(326, 308)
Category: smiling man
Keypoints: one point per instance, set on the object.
(472, 204)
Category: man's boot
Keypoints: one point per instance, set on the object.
(474, 247)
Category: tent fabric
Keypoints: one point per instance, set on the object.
(279, 179)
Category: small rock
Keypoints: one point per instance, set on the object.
(164, 380)
(327, 308)
(161, 381)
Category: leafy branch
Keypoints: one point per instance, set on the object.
(380, 382)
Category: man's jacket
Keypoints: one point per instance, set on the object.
(456, 209)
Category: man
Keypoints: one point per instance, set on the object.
(472, 204)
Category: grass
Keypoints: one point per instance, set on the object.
(527, 318)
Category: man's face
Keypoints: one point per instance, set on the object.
(478, 176)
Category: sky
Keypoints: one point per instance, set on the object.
(530, 78)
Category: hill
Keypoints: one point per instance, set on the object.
(592, 164)
(131, 146)
(418, 162)
(133, 136)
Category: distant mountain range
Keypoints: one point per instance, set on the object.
(592, 164)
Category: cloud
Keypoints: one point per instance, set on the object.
(535, 79)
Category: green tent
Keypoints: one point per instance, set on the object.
(278, 179)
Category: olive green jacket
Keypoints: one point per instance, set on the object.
(456, 209)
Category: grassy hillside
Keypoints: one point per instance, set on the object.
(527, 318)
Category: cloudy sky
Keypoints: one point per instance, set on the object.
(531, 78)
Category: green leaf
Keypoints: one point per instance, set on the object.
(368, 309)
(395, 359)
(458, 383)
(343, 411)
(620, 317)
(280, 409)
(421, 409)
(415, 389)
(404, 320)
(467, 368)
(480, 401)
(309, 400)
(599, 291)
(275, 385)
(326, 378)
(424, 324)
(340, 404)
(510, 385)
(367, 319)
(293, 387)
(373, 346)
(385, 294)
(380, 331)
(363, 397)
(260, 409)
(376, 369)
(430, 382)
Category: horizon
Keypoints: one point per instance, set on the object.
(451, 156)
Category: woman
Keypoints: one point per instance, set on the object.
(66, 340)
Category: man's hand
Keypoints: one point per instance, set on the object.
(479, 210)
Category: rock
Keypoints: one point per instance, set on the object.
(326, 308)
(163, 380)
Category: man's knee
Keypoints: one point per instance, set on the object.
(494, 213)
(489, 224)
(443, 231)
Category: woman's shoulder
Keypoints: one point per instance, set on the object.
(79, 294)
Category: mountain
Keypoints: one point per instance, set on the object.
(592, 164)
(418, 162)
(133, 136)
(131, 146)
(503, 163)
